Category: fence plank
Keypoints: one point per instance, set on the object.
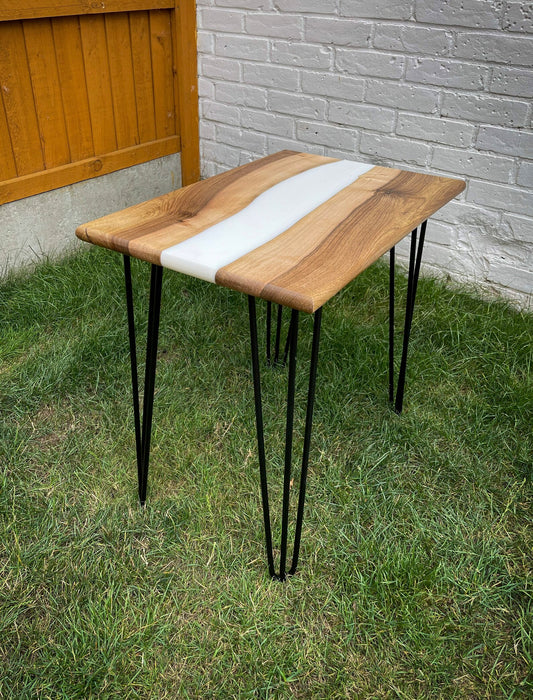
(121, 71)
(46, 92)
(8, 168)
(161, 44)
(96, 61)
(142, 71)
(71, 68)
(18, 100)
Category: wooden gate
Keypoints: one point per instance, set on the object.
(91, 86)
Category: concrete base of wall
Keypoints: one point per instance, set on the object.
(44, 225)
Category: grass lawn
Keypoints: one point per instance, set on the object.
(415, 575)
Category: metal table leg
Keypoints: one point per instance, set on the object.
(143, 433)
(282, 573)
(415, 258)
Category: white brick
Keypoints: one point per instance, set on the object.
(429, 71)
(525, 176)
(240, 138)
(270, 76)
(436, 254)
(401, 96)
(462, 13)
(303, 55)
(338, 32)
(459, 212)
(314, 6)
(298, 104)
(206, 88)
(361, 115)
(394, 150)
(268, 123)
(512, 81)
(483, 109)
(220, 68)
(443, 234)
(510, 199)
(275, 143)
(246, 4)
(374, 63)
(205, 42)
(493, 47)
(242, 95)
(283, 26)
(225, 155)
(239, 46)
(512, 277)
(518, 17)
(207, 130)
(445, 131)
(519, 228)
(217, 112)
(461, 162)
(377, 9)
(412, 39)
(219, 20)
(326, 135)
(511, 142)
(332, 85)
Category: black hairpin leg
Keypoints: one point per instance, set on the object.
(143, 432)
(292, 347)
(415, 258)
(277, 342)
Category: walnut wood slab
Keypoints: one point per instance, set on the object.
(293, 228)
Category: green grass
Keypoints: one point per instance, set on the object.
(415, 569)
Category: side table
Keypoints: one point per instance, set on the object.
(293, 229)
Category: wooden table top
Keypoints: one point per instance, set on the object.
(292, 228)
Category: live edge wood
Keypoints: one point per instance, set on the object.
(312, 260)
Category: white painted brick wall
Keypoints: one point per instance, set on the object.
(441, 86)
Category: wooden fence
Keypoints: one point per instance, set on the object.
(91, 86)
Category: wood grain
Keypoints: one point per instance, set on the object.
(75, 100)
(8, 169)
(30, 9)
(162, 74)
(313, 260)
(96, 59)
(117, 27)
(145, 230)
(17, 94)
(309, 262)
(42, 62)
(142, 75)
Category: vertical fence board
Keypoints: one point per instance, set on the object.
(71, 68)
(165, 115)
(121, 72)
(18, 101)
(94, 46)
(142, 72)
(46, 91)
(8, 168)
